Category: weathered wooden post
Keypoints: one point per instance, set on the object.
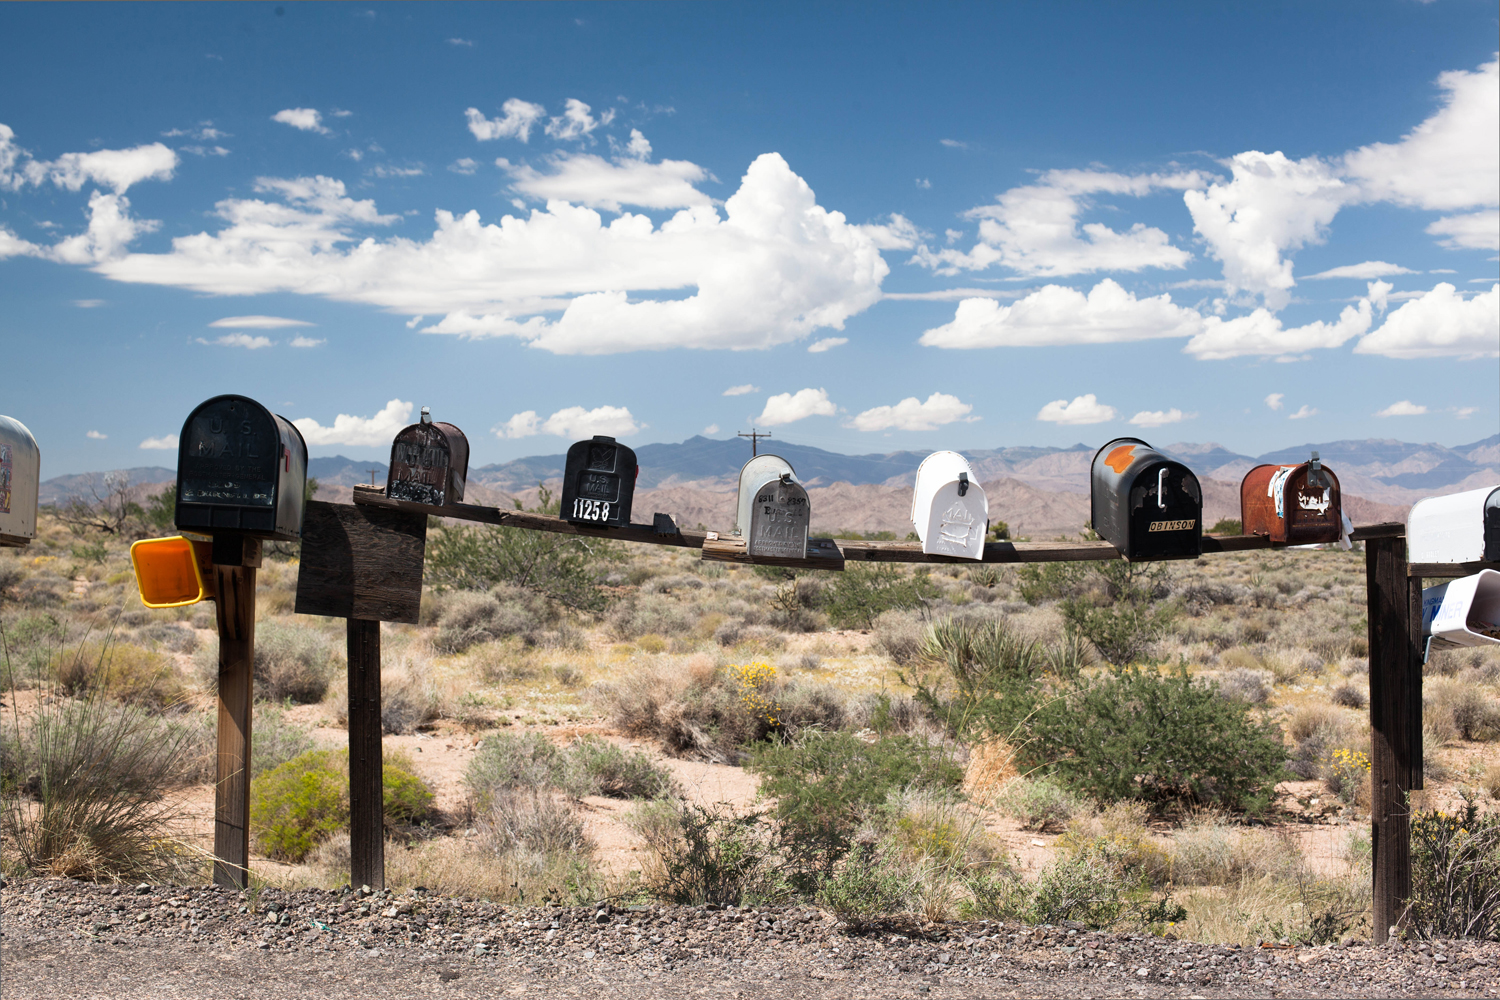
(234, 609)
(1393, 603)
(363, 564)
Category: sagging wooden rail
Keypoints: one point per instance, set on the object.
(1394, 597)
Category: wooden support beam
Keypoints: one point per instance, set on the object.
(831, 553)
(366, 791)
(234, 608)
(822, 553)
(375, 497)
(1394, 613)
(1448, 570)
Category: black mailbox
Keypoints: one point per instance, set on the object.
(1145, 504)
(599, 483)
(241, 469)
(429, 463)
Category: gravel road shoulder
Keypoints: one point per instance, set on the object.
(77, 940)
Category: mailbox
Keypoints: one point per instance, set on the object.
(20, 479)
(429, 463)
(1294, 504)
(948, 509)
(1463, 612)
(1459, 528)
(773, 510)
(242, 470)
(1145, 504)
(599, 483)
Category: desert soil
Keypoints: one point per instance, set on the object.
(61, 938)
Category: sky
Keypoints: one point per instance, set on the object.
(863, 227)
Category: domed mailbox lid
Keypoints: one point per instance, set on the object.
(599, 483)
(1463, 612)
(753, 475)
(1295, 504)
(20, 482)
(1458, 528)
(948, 508)
(429, 463)
(1144, 504)
(241, 469)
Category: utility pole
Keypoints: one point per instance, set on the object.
(372, 475)
(754, 437)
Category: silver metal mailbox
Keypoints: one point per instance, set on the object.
(948, 508)
(774, 514)
(20, 479)
(1458, 528)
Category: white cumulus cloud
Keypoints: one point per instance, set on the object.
(167, 442)
(358, 431)
(826, 344)
(741, 390)
(1054, 315)
(1274, 400)
(576, 121)
(1440, 323)
(571, 422)
(786, 407)
(96, 436)
(302, 119)
(1366, 270)
(1034, 229)
(912, 414)
(258, 322)
(1475, 231)
(245, 340)
(519, 119)
(1404, 408)
(1262, 333)
(1303, 413)
(1084, 409)
(586, 179)
(1160, 418)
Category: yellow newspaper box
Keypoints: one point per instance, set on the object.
(171, 572)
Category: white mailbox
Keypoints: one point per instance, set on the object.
(20, 478)
(1459, 528)
(774, 514)
(1463, 612)
(948, 508)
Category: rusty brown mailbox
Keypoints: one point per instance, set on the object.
(1293, 504)
(429, 463)
(599, 483)
(241, 470)
(1145, 504)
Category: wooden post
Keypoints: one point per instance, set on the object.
(1395, 722)
(234, 607)
(366, 795)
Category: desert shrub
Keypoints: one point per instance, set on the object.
(175, 637)
(1346, 772)
(1251, 687)
(80, 796)
(1037, 803)
(1462, 707)
(1490, 782)
(807, 705)
(707, 854)
(1121, 826)
(694, 712)
(1209, 850)
(1133, 733)
(1095, 887)
(868, 884)
(302, 802)
(618, 773)
(532, 820)
(590, 766)
(1317, 729)
(469, 618)
(1227, 526)
(127, 673)
(292, 662)
(409, 699)
(1122, 632)
(1038, 582)
(862, 593)
(1455, 874)
(276, 740)
(566, 569)
(652, 614)
(825, 783)
(729, 632)
(930, 827)
(1349, 696)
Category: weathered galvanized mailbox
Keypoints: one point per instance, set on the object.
(948, 508)
(1463, 612)
(241, 470)
(1458, 528)
(1144, 504)
(20, 480)
(599, 483)
(1294, 504)
(429, 463)
(773, 510)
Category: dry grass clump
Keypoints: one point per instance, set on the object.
(1036, 803)
(466, 618)
(1317, 729)
(650, 613)
(901, 635)
(992, 763)
(1244, 684)
(294, 662)
(1120, 830)
(1451, 706)
(1211, 850)
(124, 672)
(1348, 695)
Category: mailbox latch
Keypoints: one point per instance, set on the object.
(963, 483)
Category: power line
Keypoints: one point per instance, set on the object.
(754, 437)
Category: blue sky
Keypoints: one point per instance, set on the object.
(863, 227)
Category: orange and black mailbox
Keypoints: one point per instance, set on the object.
(1144, 504)
(1292, 504)
(599, 483)
(429, 463)
(241, 473)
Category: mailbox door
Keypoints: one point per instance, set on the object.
(956, 524)
(234, 462)
(1109, 478)
(936, 471)
(1314, 513)
(420, 460)
(20, 482)
(599, 483)
(779, 521)
(753, 474)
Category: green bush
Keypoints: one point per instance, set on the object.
(825, 784)
(868, 885)
(276, 740)
(1037, 804)
(1135, 734)
(302, 802)
(1455, 874)
(1122, 632)
(708, 854)
(861, 593)
(591, 766)
(617, 773)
